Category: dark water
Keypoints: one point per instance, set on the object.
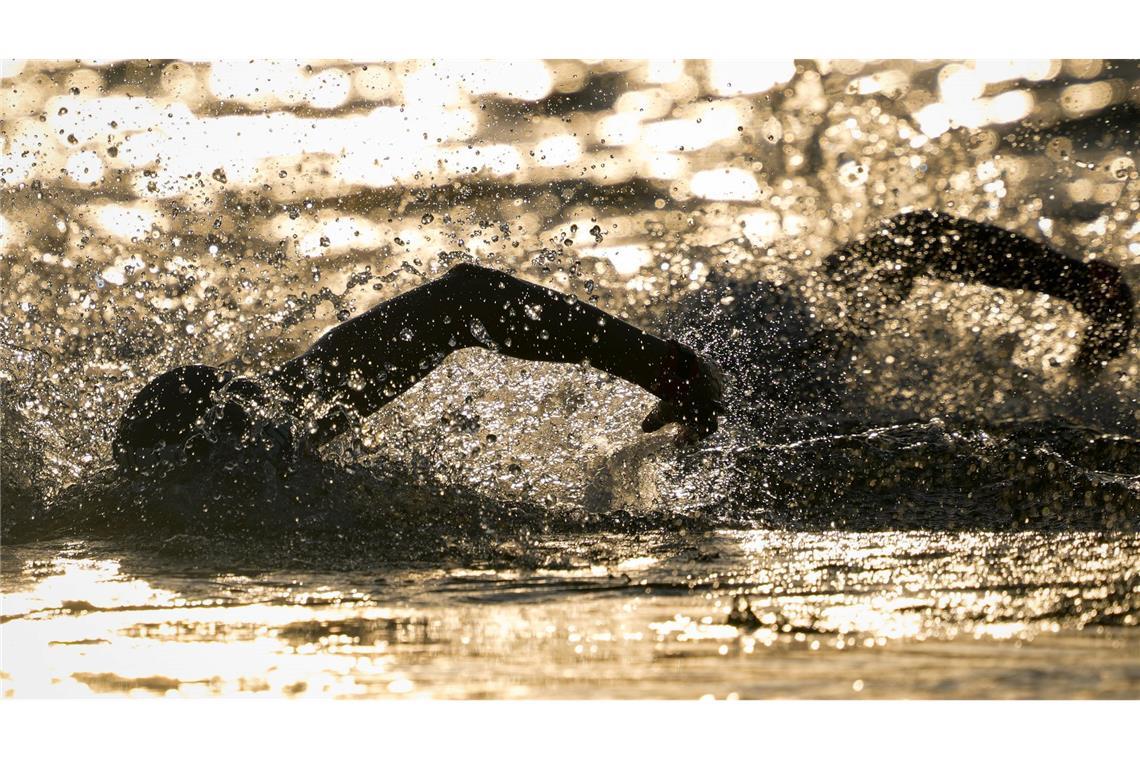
(928, 504)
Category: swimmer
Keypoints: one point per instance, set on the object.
(791, 375)
(366, 362)
(932, 244)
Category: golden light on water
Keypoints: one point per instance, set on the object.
(162, 213)
(413, 115)
(748, 77)
(727, 184)
(87, 627)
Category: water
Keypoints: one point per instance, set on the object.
(927, 504)
(837, 615)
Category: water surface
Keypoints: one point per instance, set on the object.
(915, 501)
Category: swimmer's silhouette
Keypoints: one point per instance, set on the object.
(932, 244)
(364, 363)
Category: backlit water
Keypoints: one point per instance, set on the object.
(930, 506)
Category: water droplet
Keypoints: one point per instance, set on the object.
(533, 311)
(427, 219)
(219, 175)
(407, 334)
(479, 333)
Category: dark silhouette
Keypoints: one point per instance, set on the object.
(364, 363)
(932, 244)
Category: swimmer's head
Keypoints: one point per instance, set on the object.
(173, 409)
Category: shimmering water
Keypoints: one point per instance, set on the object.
(923, 504)
(833, 615)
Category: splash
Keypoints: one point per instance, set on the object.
(164, 214)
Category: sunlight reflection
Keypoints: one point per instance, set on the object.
(134, 221)
(728, 184)
(85, 168)
(98, 584)
(626, 259)
(164, 212)
(182, 647)
(740, 77)
(558, 150)
(664, 71)
(7, 233)
(518, 80)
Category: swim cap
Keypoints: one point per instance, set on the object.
(180, 406)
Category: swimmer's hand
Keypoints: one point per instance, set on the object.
(691, 390)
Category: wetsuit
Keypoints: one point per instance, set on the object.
(933, 244)
(362, 364)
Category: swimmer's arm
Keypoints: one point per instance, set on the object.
(927, 243)
(368, 361)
